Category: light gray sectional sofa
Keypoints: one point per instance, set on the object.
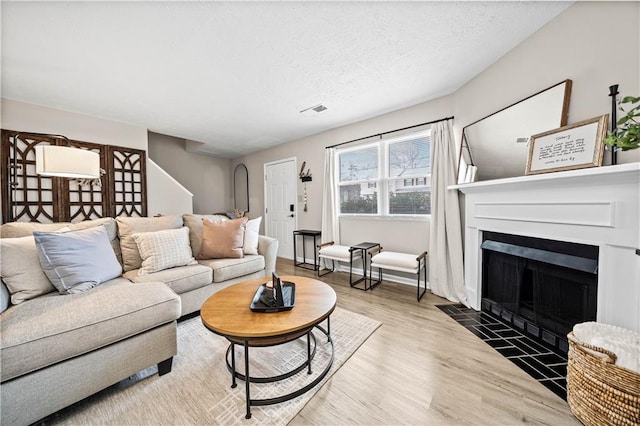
(56, 349)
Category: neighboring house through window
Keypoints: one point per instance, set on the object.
(388, 177)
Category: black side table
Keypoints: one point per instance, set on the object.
(305, 233)
(368, 283)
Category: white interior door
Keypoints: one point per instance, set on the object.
(280, 203)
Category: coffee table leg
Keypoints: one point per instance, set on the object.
(247, 379)
(328, 328)
(233, 366)
(309, 352)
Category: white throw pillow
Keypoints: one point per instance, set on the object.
(251, 234)
(164, 249)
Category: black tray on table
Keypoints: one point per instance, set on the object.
(288, 297)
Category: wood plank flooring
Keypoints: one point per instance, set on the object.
(421, 367)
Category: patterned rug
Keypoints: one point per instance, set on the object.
(198, 389)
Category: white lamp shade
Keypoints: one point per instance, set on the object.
(64, 161)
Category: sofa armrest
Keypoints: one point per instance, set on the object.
(268, 247)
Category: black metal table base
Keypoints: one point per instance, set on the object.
(367, 281)
(305, 233)
(247, 378)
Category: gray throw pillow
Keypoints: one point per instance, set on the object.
(76, 261)
(4, 297)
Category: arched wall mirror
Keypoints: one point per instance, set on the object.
(241, 187)
(497, 145)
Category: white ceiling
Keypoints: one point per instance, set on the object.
(235, 75)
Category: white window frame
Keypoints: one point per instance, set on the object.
(383, 179)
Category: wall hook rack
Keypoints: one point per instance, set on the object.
(304, 176)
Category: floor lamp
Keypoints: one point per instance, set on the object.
(55, 161)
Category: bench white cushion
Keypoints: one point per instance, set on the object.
(338, 252)
(396, 261)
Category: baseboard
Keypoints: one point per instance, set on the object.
(385, 275)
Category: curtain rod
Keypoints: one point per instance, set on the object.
(390, 131)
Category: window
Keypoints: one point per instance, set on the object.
(359, 178)
(390, 177)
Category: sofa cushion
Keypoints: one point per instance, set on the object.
(181, 279)
(194, 223)
(163, 249)
(25, 229)
(222, 240)
(21, 271)
(226, 269)
(251, 236)
(53, 328)
(76, 261)
(127, 226)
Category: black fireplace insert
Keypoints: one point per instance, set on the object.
(543, 287)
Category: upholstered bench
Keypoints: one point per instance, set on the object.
(336, 253)
(402, 262)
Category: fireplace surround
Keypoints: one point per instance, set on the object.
(598, 207)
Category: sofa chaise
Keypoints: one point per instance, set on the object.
(56, 349)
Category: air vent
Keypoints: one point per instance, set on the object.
(314, 109)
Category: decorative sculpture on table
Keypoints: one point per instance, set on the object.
(274, 296)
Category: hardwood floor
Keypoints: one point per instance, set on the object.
(421, 367)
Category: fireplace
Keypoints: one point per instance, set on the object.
(543, 287)
(596, 208)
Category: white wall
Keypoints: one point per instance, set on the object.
(595, 44)
(207, 177)
(312, 149)
(166, 196)
(21, 116)
(580, 44)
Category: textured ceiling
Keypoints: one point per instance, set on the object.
(234, 76)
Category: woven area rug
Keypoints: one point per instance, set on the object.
(198, 389)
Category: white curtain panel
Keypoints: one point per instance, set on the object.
(330, 223)
(446, 270)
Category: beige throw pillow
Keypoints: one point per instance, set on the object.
(222, 240)
(164, 249)
(21, 271)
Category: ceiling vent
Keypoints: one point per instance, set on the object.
(314, 109)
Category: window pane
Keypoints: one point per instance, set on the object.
(412, 198)
(359, 165)
(410, 158)
(359, 198)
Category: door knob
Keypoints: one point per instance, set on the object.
(291, 215)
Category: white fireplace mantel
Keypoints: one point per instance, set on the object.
(597, 206)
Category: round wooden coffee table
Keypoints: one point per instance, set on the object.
(227, 313)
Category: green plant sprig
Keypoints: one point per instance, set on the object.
(627, 133)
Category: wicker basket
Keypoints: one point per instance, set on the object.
(598, 391)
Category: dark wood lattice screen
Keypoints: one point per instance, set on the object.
(36, 198)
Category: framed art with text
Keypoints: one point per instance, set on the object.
(575, 146)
